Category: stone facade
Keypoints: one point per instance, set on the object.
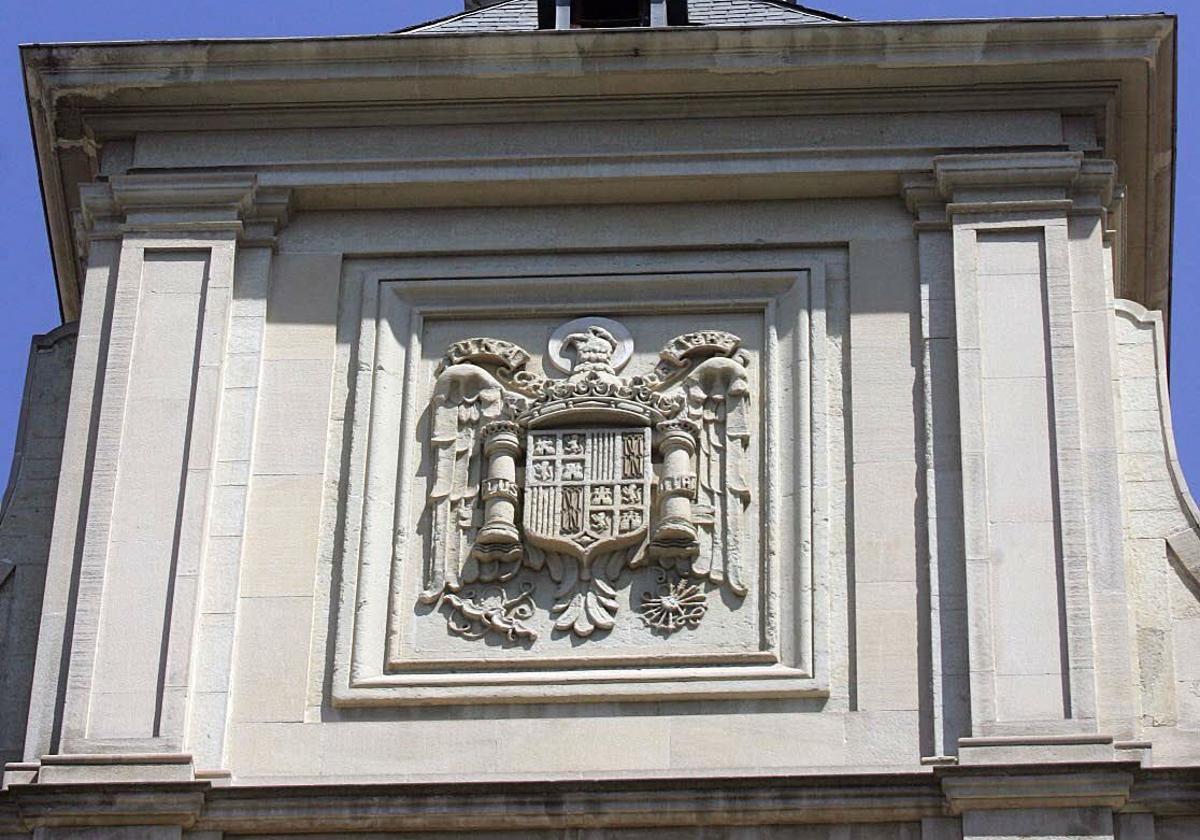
(740, 430)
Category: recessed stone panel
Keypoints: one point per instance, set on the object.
(630, 521)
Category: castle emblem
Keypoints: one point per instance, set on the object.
(587, 476)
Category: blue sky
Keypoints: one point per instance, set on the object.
(29, 304)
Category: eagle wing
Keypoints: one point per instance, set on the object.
(465, 399)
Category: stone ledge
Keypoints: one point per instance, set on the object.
(20, 773)
(578, 804)
(106, 805)
(1035, 786)
(106, 768)
(1168, 791)
(935, 798)
(1035, 749)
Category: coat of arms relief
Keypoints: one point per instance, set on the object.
(585, 477)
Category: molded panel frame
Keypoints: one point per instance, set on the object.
(383, 312)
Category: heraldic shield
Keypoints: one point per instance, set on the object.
(587, 490)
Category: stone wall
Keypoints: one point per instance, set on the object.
(1160, 540)
(26, 520)
(928, 382)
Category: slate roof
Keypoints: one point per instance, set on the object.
(521, 15)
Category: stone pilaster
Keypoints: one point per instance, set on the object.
(161, 414)
(1016, 291)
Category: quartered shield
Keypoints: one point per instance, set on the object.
(587, 491)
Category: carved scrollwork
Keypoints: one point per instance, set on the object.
(478, 612)
(680, 353)
(705, 343)
(486, 352)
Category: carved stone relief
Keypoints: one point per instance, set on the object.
(585, 477)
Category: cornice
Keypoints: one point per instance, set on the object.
(467, 70)
(82, 94)
(66, 64)
(105, 118)
(175, 205)
(218, 191)
(924, 200)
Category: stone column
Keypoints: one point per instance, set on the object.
(499, 540)
(674, 538)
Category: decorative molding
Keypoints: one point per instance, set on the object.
(1036, 749)
(20, 773)
(1090, 96)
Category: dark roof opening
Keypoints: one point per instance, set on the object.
(611, 14)
(604, 14)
